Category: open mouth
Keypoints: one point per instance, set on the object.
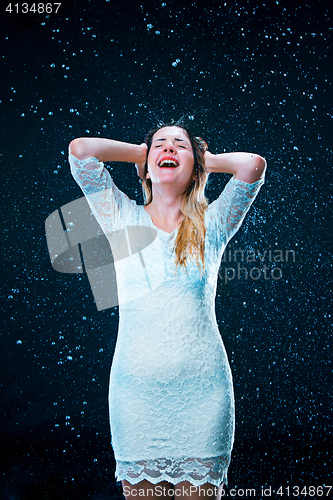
(168, 163)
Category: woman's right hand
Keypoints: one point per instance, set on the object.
(140, 166)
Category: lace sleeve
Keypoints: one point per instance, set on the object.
(106, 201)
(230, 208)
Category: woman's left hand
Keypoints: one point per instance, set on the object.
(208, 160)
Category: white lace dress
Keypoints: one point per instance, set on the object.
(171, 394)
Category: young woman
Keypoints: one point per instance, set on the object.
(171, 394)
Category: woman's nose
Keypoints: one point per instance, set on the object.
(169, 147)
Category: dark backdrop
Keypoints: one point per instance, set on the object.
(249, 77)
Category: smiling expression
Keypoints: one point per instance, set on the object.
(170, 158)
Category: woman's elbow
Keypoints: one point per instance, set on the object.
(77, 148)
(253, 170)
(259, 166)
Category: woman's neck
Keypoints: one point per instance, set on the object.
(165, 211)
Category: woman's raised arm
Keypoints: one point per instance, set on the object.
(247, 167)
(108, 150)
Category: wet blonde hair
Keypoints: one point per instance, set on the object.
(190, 240)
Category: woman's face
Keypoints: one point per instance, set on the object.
(170, 159)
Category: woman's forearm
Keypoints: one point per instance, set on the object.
(107, 150)
(247, 167)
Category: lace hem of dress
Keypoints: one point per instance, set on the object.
(196, 471)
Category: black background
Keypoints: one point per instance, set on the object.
(249, 77)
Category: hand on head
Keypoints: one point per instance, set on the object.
(140, 167)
